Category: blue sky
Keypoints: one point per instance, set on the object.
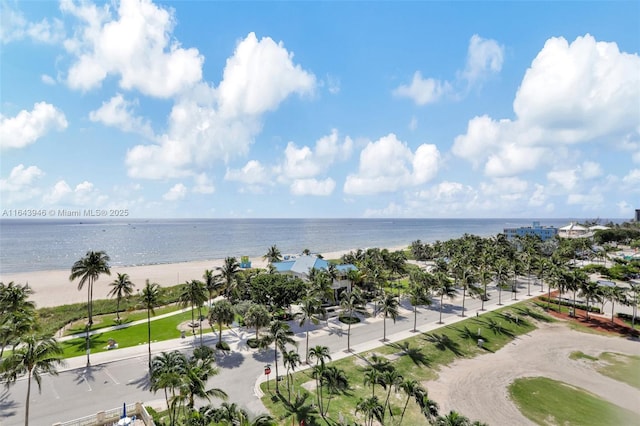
(321, 109)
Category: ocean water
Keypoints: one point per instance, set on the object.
(37, 245)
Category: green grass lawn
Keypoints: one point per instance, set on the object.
(546, 401)
(624, 368)
(162, 329)
(418, 357)
(109, 320)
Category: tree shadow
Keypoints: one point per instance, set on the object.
(497, 328)
(300, 409)
(443, 342)
(229, 359)
(531, 313)
(7, 406)
(142, 382)
(264, 355)
(415, 354)
(513, 318)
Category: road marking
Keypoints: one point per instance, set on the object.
(87, 382)
(53, 388)
(113, 379)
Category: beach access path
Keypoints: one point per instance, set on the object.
(119, 376)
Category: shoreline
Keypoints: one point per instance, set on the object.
(53, 288)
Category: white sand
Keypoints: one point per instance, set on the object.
(53, 288)
(478, 387)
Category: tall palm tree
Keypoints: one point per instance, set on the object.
(33, 356)
(221, 313)
(371, 408)
(194, 382)
(149, 298)
(467, 280)
(336, 381)
(590, 290)
(291, 360)
(390, 380)
(257, 316)
(389, 306)
(17, 313)
(428, 406)
(167, 370)
(280, 335)
(212, 283)
(88, 269)
(321, 355)
(420, 284)
(229, 270)
(372, 377)
(351, 303)
(273, 254)
(310, 312)
(501, 272)
(122, 286)
(443, 287)
(453, 419)
(193, 293)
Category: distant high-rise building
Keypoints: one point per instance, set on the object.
(637, 215)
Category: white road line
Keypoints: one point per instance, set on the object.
(113, 379)
(87, 382)
(53, 388)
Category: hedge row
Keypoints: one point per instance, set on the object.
(591, 308)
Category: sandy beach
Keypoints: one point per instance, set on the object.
(53, 288)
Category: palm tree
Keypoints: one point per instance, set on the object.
(321, 355)
(453, 419)
(89, 269)
(428, 406)
(212, 283)
(194, 382)
(501, 272)
(193, 293)
(389, 305)
(167, 370)
(372, 377)
(17, 313)
(352, 302)
(467, 280)
(614, 294)
(257, 316)
(412, 389)
(590, 290)
(229, 270)
(280, 335)
(443, 287)
(310, 310)
(273, 254)
(336, 381)
(221, 313)
(419, 287)
(390, 380)
(149, 298)
(122, 286)
(371, 408)
(290, 360)
(34, 355)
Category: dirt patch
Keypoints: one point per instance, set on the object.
(478, 387)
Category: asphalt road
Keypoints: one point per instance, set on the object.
(121, 375)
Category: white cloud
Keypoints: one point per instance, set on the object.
(592, 201)
(259, 76)
(567, 179)
(632, 180)
(136, 46)
(83, 195)
(177, 192)
(305, 162)
(118, 112)
(48, 80)
(333, 84)
(203, 184)
(484, 57)
(208, 125)
(19, 185)
(313, 187)
(14, 26)
(590, 170)
(413, 124)
(508, 189)
(29, 126)
(253, 173)
(388, 164)
(422, 91)
(572, 93)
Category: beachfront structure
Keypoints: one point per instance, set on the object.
(299, 266)
(573, 230)
(544, 232)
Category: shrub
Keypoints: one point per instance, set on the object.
(592, 308)
(348, 320)
(223, 346)
(253, 343)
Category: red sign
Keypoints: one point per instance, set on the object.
(267, 371)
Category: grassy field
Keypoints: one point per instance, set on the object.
(546, 401)
(623, 368)
(162, 329)
(418, 358)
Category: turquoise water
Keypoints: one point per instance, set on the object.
(36, 245)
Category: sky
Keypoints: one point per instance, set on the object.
(318, 109)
